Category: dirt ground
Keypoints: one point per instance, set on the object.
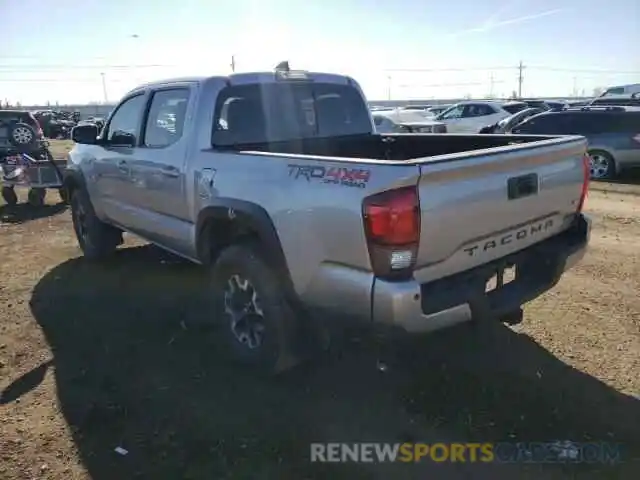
(97, 357)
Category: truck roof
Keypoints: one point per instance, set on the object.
(248, 77)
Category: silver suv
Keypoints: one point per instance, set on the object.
(613, 133)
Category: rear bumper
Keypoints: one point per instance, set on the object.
(416, 307)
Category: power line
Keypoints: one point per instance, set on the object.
(78, 66)
(579, 70)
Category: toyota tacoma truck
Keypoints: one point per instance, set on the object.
(278, 183)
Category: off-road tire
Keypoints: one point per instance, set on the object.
(99, 239)
(278, 351)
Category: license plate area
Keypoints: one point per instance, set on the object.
(503, 276)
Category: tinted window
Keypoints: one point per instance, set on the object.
(454, 112)
(623, 122)
(614, 91)
(166, 117)
(543, 124)
(281, 111)
(127, 117)
(478, 110)
(514, 107)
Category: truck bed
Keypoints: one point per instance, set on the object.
(468, 215)
(399, 147)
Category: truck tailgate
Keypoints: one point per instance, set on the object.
(491, 203)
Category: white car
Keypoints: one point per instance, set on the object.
(471, 116)
(405, 122)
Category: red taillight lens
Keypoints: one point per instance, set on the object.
(392, 226)
(586, 176)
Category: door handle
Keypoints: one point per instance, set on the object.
(171, 172)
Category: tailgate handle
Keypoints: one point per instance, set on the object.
(522, 186)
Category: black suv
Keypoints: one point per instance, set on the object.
(613, 134)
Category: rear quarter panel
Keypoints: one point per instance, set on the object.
(318, 221)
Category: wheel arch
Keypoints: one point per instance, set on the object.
(229, 221)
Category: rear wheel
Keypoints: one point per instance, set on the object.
(9, 196)
(601, 165)
(257, 324)
(96, 239)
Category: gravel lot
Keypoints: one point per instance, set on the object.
(95, 357)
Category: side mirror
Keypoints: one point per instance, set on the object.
(122, 139)
(86, 134)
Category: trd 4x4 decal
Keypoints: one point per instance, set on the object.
(349, 177)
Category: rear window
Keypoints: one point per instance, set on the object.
(281, 111)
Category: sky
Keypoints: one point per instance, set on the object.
(94, 50)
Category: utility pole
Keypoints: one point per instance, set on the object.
(520, 79)
(233, 63)
(104, 87)
(575, 86)
(389, 87)
(491, 83)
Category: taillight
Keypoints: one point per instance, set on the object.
(586, 175)
(392, 226)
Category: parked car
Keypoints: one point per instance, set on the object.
(55, 124)
(406, 122)
(613, 134)
(472, 116)
(506, 124)
(618, 100)
(630, 89)
(437, 109)
(417, 107)
(297, 206)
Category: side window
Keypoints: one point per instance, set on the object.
(165, 121)
(127, 117)
(453, 112)
(478, 110)
(586, 123)
(542, 125)
(614, 91)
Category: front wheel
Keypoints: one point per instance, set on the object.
(257, 324)
(96, 239)
(601, 165)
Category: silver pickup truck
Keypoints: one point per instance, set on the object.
(277, 182)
